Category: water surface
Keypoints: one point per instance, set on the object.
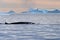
(30, 32)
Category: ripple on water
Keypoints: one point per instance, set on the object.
(29, 32)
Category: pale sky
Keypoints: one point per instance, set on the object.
(22, 5)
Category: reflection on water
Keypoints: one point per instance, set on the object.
(29, 32)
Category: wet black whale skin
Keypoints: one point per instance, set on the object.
(20, 23)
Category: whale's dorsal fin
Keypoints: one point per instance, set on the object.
(6, 23)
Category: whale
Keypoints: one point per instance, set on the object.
(20, 23)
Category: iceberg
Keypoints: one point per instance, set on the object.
(35, 11)
(54, 11)
(7, 13)
(40, 11)
(3, 13)
(11, 12)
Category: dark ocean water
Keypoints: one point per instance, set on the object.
(29, 32)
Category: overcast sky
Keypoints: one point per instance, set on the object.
(22, 5)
